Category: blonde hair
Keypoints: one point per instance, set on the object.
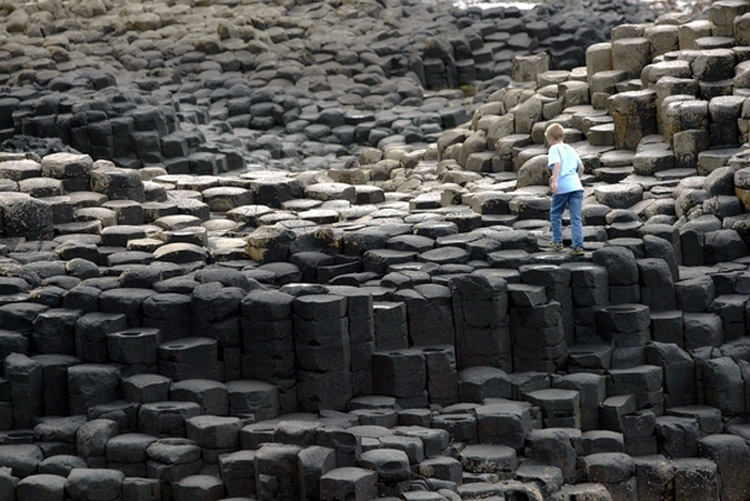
(555, 131)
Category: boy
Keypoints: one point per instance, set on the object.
(566, 188)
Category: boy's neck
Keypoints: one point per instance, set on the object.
(554, 143)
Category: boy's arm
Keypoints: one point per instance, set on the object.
(554, 178)
(553, 159)
(580, 168)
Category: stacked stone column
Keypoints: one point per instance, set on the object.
(634, 113)
(136, 349)
(589, 292)
(191, 358)
(268, 343)
(442, 378)
(361, 336)
(26, 389)
(322, 352)
(538, 339)
(401, 374)
(169, 312)
(480, 314)
(627, 326)
(622, 274)
(215, 313)
(430, 319)
(556, 282)
(391, 330)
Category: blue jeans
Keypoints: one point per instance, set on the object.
(573, 201)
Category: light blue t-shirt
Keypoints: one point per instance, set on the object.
(569, 162)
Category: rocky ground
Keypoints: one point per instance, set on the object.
(270, 85)
(390, 323)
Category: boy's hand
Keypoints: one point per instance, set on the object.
(553, 186)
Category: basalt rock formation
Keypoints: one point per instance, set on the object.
(293, 85)
(394, 325)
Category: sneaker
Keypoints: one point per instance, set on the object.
(556, 246)
(577, 251)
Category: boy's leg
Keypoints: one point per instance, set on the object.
(576, 225)
(555, 215)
